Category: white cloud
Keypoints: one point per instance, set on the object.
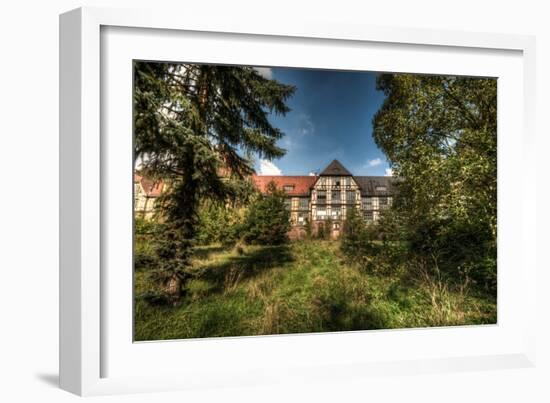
(265, 72)
(389, 172)
(288, 143)
(306, 125)
(374, 162)
(269, 168)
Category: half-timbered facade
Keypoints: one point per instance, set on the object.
(325, 198)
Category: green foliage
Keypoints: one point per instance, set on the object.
(191, 121)
(356, 243)
(145, 231)
(145, 228)
(308, 228)
(219, 223)
(328, 224)
(354, 230)
(324, 229)
(226, 105)
(300, 287)
(440, 135)
(198, 288)
(321, 230)
(268, 220)
(144, 256)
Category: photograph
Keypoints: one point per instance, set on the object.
(284, 200)
(218, 202)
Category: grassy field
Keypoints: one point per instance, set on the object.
(301, 287)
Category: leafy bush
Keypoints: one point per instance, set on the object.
(324, 229)
(356, 244)
(328, 229)
(462, 251)
(308, 228)
(144, 256)
(445, 200)
(145, 228)
(267, 220)
(218, 223)
(321, 231)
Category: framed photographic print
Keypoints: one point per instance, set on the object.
(248, 203)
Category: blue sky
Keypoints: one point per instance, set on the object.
(331, 118)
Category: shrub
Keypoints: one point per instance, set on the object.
(144, 251)
(356, 244)
(218, 224)
(461, 250)
(267, 221)
(144, 256)
(328, 229)
(321, 232)
(145, 228)
(308, 228)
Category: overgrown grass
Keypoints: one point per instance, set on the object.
(302, 287)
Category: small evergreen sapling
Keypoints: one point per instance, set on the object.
(268, 220)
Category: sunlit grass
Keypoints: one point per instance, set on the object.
(302, 287)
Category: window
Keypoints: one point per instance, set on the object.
(302, 218)
(380, 188)
(369, 216)
(321, 214)
(304, 203)
(288, 188)
(335, 196)
(337, 183)
(287, 204)
(367, 203)
(336, 225)
(321, 195)
(336, 212)
(350, 196)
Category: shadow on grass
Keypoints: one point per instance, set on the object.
(230, 271)
(204, 252)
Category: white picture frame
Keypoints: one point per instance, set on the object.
(94, 343)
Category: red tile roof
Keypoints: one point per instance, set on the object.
(302, 184)
(151, 187)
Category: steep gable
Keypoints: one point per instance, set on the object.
(335, 168)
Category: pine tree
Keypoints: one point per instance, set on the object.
(191, 123)
(354, 233)
(268, 219)
(358, 244)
